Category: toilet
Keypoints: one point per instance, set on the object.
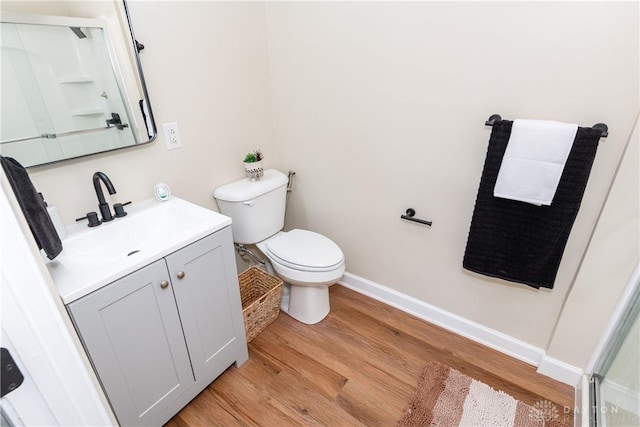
(306, 261)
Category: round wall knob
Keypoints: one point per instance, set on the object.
(180, 274)
(164, 284)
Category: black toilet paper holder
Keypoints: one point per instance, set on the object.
(409, 216)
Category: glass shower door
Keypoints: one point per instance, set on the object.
(615, 385)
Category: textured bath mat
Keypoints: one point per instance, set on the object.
(445, 397)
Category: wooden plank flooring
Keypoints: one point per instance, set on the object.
(359, 366)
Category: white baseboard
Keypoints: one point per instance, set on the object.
(559, 370)
(469, 329)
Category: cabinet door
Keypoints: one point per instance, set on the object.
(205, 284)
(131, 330)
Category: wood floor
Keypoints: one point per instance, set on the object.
(359, 366)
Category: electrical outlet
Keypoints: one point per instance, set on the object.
(172, 136)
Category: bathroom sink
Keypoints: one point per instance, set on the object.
(94, 257)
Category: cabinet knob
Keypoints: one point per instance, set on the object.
(180, 274)
(164, 284)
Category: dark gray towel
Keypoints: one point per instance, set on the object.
(518, 241)
(32, 207)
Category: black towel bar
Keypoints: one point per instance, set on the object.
(409, 216)
(602, 127)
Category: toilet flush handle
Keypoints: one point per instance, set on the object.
(249, 202)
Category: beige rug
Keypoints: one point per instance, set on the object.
(445, 397)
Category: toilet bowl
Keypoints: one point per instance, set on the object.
(308, 263)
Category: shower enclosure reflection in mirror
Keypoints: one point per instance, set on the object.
(69, 89)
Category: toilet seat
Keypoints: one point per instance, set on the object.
(305, 250)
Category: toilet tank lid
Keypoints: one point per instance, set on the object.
(245, 189)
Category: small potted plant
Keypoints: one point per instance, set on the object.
(253, 165)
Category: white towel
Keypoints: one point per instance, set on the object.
(534, 160)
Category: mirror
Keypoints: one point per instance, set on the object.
(69, 89)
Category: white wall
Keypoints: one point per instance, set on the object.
(380, 106)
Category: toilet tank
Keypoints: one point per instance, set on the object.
(256, 207)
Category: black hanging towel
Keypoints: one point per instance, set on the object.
(32, 207)
(518, 241)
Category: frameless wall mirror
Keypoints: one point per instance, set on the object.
(71, 86)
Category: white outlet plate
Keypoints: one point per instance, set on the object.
(172, 135)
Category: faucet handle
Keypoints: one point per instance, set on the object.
(93, 219)
(119, 210)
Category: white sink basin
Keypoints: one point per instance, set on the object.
(94, 257)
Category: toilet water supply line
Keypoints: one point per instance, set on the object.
(289, 188)
(241, 248)
(290, 181)
(242, 251)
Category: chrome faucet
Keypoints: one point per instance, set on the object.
(105, 211)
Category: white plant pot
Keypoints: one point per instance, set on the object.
(254, 170)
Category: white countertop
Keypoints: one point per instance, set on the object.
(94, 257)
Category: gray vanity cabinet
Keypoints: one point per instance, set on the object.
(131, 330)
(205, 284)
(160, 335)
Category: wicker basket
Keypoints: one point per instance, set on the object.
(261, 295)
